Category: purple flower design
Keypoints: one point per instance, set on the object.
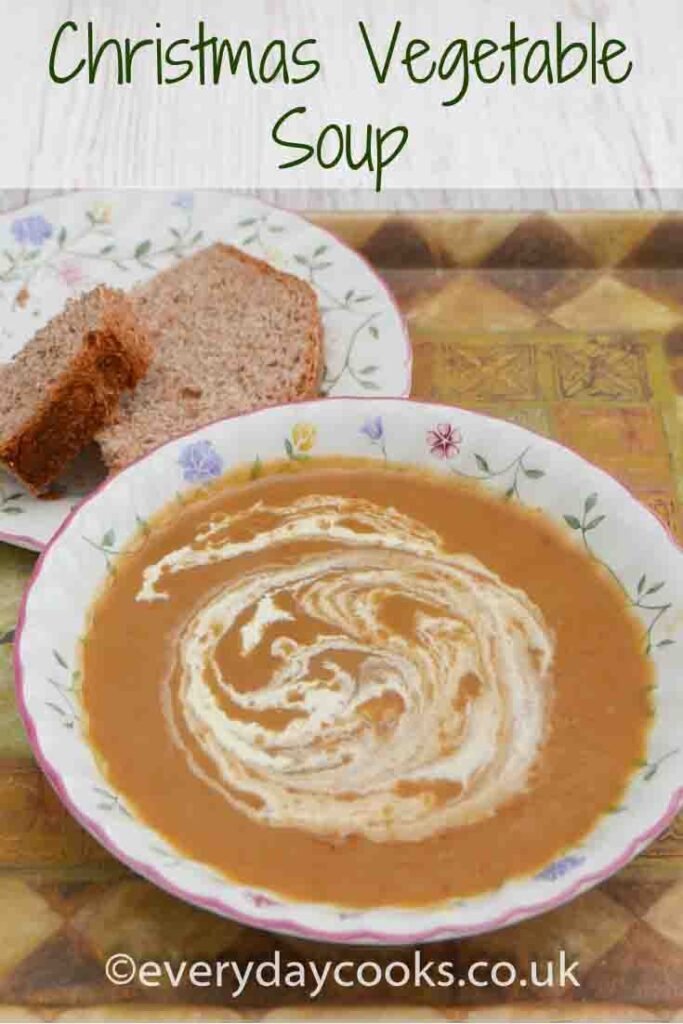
(560, 867)
(200, 461)
(184, 200)
(373, 428)
(31, 230)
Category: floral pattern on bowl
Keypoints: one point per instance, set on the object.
(597, 513)
(66, 245)
(200, 462)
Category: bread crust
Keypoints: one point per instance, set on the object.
(111, 359)
(118, 452)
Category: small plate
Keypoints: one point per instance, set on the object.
(596, 511)
(66, 245)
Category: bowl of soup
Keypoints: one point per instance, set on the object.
(361, 670)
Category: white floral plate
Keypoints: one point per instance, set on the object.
(599, 514)
(66, 245)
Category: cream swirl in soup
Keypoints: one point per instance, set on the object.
(374, 684)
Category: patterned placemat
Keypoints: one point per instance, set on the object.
(571, 325)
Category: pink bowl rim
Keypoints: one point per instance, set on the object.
(21, 540)
(286, 925)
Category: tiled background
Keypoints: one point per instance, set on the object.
(570, 325)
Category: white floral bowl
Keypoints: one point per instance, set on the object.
(597, 511)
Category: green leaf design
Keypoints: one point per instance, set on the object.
(247, 223)
(56, 708)
(573, 522)
(289, 448)
(373, 331)
(370, 385)
(665, 643)
(59, 659)
(61, 237)
(142, 249)
(593, 523)
(641, 583)
(197, 237)
(482, 463)
(143, 525)
(590, 502)
(654, 588)
(320, 250)
(250, 239)
(256, 468)
(533, 474)
(109, 539)
(367, 370)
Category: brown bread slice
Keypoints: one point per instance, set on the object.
(230, 334)
(66, 383)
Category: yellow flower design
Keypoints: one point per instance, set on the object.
(101, 213)
(303, 437)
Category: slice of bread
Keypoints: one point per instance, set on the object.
(67, 382)
(230, 334)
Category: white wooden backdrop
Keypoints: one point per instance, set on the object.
(568, 146)
(432, 199)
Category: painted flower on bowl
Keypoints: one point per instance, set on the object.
(260, 900)
(31, 230)
(303, 437)
(70, 273)
(200, 461)
(559, 868)
(373, 428)
(184, 201)
(101, 213)
(444, 440)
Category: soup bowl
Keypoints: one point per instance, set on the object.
(596, 512)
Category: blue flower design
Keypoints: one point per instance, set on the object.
(31, 230)
(373, 428)
(200, 461)
(560, 867)
(184, 200)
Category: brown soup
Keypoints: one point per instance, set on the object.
(364, 686)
